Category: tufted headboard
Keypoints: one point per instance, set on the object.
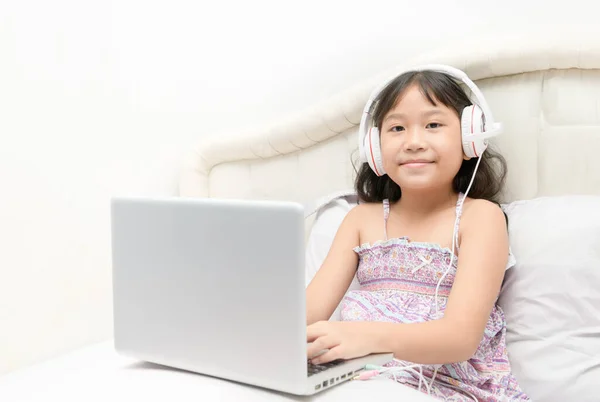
(544, 88)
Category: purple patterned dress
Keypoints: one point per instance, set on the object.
(398, 279)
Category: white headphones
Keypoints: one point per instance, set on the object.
(477, 122)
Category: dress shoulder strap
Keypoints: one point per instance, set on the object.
(459, 205)
(386, 214)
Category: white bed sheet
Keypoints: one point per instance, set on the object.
(98, 373)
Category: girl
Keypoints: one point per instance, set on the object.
(430, 260)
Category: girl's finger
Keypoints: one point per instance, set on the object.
(332, 354)
(319, 345)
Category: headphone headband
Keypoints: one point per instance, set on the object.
(493, 128)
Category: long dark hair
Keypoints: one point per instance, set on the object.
(436, 87)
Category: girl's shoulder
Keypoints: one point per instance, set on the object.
(368, 209)
(477, 211)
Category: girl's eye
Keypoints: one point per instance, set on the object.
(434, 125)
(397, 128)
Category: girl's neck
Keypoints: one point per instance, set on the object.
(426, 202)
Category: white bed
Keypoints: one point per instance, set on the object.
(545, 88)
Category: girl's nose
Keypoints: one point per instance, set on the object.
(415, 139)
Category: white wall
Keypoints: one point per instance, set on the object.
(100, 98)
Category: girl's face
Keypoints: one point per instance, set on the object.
(421, 145)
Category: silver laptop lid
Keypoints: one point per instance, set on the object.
(212, 286)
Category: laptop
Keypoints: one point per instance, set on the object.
(216, 287)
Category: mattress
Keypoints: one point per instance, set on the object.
(98, 373)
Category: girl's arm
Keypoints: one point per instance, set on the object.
(481, 267)
(333, 278)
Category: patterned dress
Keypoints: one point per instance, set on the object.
(398, 279)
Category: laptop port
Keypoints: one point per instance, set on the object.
(343, 376)
(325, 383)
(317, 387)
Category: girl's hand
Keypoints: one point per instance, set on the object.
(342, 340)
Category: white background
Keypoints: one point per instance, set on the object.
(101, 98)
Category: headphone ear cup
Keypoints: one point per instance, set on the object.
(472, 123)
(373, 151)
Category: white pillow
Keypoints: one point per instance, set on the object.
(551, 297)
